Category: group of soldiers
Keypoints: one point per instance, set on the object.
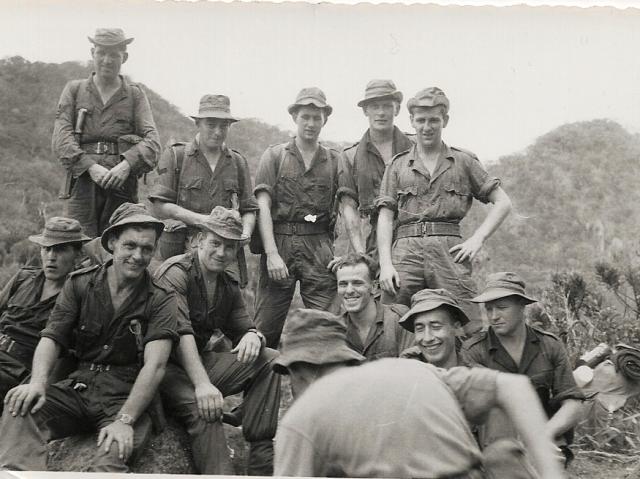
(161, 308)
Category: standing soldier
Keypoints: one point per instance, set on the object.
(28, 298)
(104, 135)
(362, 165)
(295, 187)
(200, 175)
(425, 193)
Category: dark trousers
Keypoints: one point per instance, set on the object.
(12, 373)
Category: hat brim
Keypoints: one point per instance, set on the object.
(126, 41)
(498, 293)
(323, 106)
(219, 231)
(396, 96)
(221, 115)
(311, 355)
(41, 240)
(140, 220)
(407, 321)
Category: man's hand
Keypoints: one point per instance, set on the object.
(122, 434)
(469, 249)
(97, 173)
(412, 352)
(389, 279)
(334, 263)
(210, 401)
(116, 176)
(19, 399)
(275, 267)
(248, 348)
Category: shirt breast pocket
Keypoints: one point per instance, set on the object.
(458, 187)
(406, 194)
(320, 193)
(192, 194)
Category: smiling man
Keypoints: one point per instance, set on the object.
(121, 326)
(197, 379)
(104, 135)
(28, 298)
(372, 327)
(425, 193)
(296, 184)
(362, 165)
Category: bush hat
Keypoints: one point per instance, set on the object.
(311, 96)
(130, 214)
(315, 337)
(428, 300)
(429, 97)
(109, 37)
(60, 230)
(224, 222)
(501, 285)
(380, 89)
(215, 106)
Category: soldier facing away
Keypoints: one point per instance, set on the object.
(425, 193)
(104, 135)
(28, 298)
(295, 188)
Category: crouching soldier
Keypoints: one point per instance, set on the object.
(121, 326)
(28, 298)
(197, 381)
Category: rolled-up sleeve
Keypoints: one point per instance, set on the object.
(64, 316)
(481, 183)
(164, 187)
(248, 202)
(388, 197)
(267, 172)
(174, 278)
(163, 322)
(346, 181)
(143, 157)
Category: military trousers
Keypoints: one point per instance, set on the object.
(425, 262)
(306, 258)
(261, 387)
(12, 373)
(66, 412)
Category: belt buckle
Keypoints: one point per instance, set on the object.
(294, 228)
(425, 231)
(101, 148)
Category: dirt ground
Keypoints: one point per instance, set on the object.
(590, 464)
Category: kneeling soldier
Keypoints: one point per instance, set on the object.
(121, 326)
(196, 382)
(28, 298)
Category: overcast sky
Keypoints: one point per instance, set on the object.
(511, 74)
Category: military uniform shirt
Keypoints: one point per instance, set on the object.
(414, 195)
(199, 188)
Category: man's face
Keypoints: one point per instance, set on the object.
(428, 123)
(108, 60)
(133, 250)
(435, 335)
(213, 132)
(216, 252)
(355, 287)
(309, 122)
(381, 114)
(506, 315)
(58, 261)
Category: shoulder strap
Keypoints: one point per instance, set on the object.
(178, 156)
(390, 337)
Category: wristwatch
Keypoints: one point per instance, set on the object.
(263, 340)
(125, 418)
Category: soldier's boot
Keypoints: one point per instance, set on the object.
(260, 461)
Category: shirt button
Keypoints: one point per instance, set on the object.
(82, 327)
(106, 346)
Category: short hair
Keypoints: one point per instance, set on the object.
(117, 231)
(121, 47)
(444, 111)
(296, 109)
(353, 259)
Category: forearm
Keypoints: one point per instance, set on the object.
(44, 358)
(497, 214)
(248, 223)
(385, 235)
(265, 223)
(148, 379)
(164, 210)
(190, 360)
(565, 418)
(518, 400)
(349, 212)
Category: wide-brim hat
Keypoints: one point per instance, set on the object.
(502, 285)
(109, 37)
(380, 90)
(215, 106)
(315, 337)
(128, 214)
(224, 222)
(428, 300)
(60, 230)
(311, 96)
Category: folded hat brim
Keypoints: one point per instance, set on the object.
(497, 293)
(126, 41)
(397, 96)
(294, 106)
(42, 240)
(407, 321)
(220, 231)
(315, 355)
(132, 220)
(221, 115)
